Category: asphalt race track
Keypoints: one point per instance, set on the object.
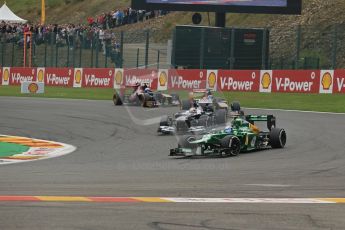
(121, 158)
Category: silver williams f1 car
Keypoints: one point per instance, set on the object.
(197, 115)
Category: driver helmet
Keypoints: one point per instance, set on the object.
(228, 130)
(192, 110)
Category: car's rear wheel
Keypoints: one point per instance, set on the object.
(165, 121)
(186, 105)
(220, 116)
(116, 99)
(158, 96)
(231, 145)
(235, 106)
(278, 138)
(148, 100)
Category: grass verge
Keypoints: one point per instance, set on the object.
(308, 102)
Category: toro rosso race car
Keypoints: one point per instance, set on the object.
(141, 95)
(197, 115)
(242, 136)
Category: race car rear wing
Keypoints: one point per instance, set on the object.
(270, 119)
(202, 90)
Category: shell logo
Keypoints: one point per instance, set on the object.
(163, 78)
(77, 77)
(212, 78)
(266, 80)
(118, 77)
(40, 75)
(327, 81)
(6, 75)
(33, 88)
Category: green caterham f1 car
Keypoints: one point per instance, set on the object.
(242, 136)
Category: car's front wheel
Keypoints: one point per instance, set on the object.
(278, 138)
(231, 145)
(116, 99)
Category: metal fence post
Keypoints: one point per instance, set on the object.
(158, 56)
(82, 45)
(147, 49)
(68, 47)
(202, 49)
(173, 53)
(232, 49)
(92, 44)
(106, 56)
(298, 45)
(51, 49)
(33, 57)
(73, 51)
(56, 54)
(138, 50)
(12, 61)
(45, 52)
(5, 47)
(97, 50)
(264, 49)
(2, 51)
(121, 49)
(32, 47)
(335, 47)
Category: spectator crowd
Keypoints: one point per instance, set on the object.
(96, 33)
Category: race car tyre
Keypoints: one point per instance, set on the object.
(158, 96)
(165, 121)
(139, 100)
(148, 100)
(235, 106)
(184, 142)
(185, 105)
(277, 138)
(232, 146)
(116, 99)
(220, 117)
(203, 120)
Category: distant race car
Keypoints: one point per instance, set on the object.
(142, 95)
(197, 115)
(242, 136)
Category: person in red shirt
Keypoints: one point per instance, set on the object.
(90, 20)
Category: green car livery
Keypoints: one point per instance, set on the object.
(242, 136)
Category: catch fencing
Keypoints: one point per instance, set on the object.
(296, 47)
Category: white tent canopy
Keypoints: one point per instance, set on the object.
(7, 15)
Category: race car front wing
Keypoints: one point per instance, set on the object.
(172, 130)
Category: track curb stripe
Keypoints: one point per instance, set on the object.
(63, 198)
(38, 149)
(171, 200)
